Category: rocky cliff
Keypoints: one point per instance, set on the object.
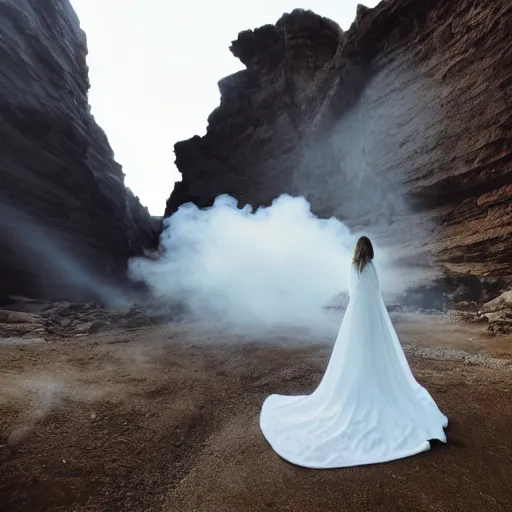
(400, 126)
(67, 222)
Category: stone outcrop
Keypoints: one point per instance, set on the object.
(67, 222)
(28, 320)
(496, 313)
(400, 126)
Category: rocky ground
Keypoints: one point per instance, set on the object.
(129, 414)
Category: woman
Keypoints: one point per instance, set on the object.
(368, 407)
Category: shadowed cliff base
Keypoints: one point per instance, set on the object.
(400, 126)
(67, 222)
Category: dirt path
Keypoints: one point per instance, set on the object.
(160, 420)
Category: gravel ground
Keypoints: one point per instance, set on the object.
(166, 419)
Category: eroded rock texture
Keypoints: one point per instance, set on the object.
(400, 126)
(67, 222)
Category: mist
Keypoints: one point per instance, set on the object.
(275, 266)
(46, 394)
(282, 265)
(49, 256)
(370, 165)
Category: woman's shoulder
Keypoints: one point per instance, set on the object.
(368, 268)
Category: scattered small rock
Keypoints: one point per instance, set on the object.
(465, 306)
(500, 303)
(93, 327)
(17, 317)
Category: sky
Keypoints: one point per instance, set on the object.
(154, 67)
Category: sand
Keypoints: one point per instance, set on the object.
(166, 419)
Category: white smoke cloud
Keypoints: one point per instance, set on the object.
(276, 266)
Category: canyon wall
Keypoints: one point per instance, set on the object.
(400, 126)
(67, 222)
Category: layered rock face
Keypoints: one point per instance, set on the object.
(401, 127)
(67, 222)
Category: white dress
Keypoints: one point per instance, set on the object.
(368, 408)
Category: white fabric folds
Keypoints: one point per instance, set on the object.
(368, 408)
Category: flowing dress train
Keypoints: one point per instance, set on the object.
(368, 408)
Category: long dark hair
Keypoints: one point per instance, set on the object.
(363, 253)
